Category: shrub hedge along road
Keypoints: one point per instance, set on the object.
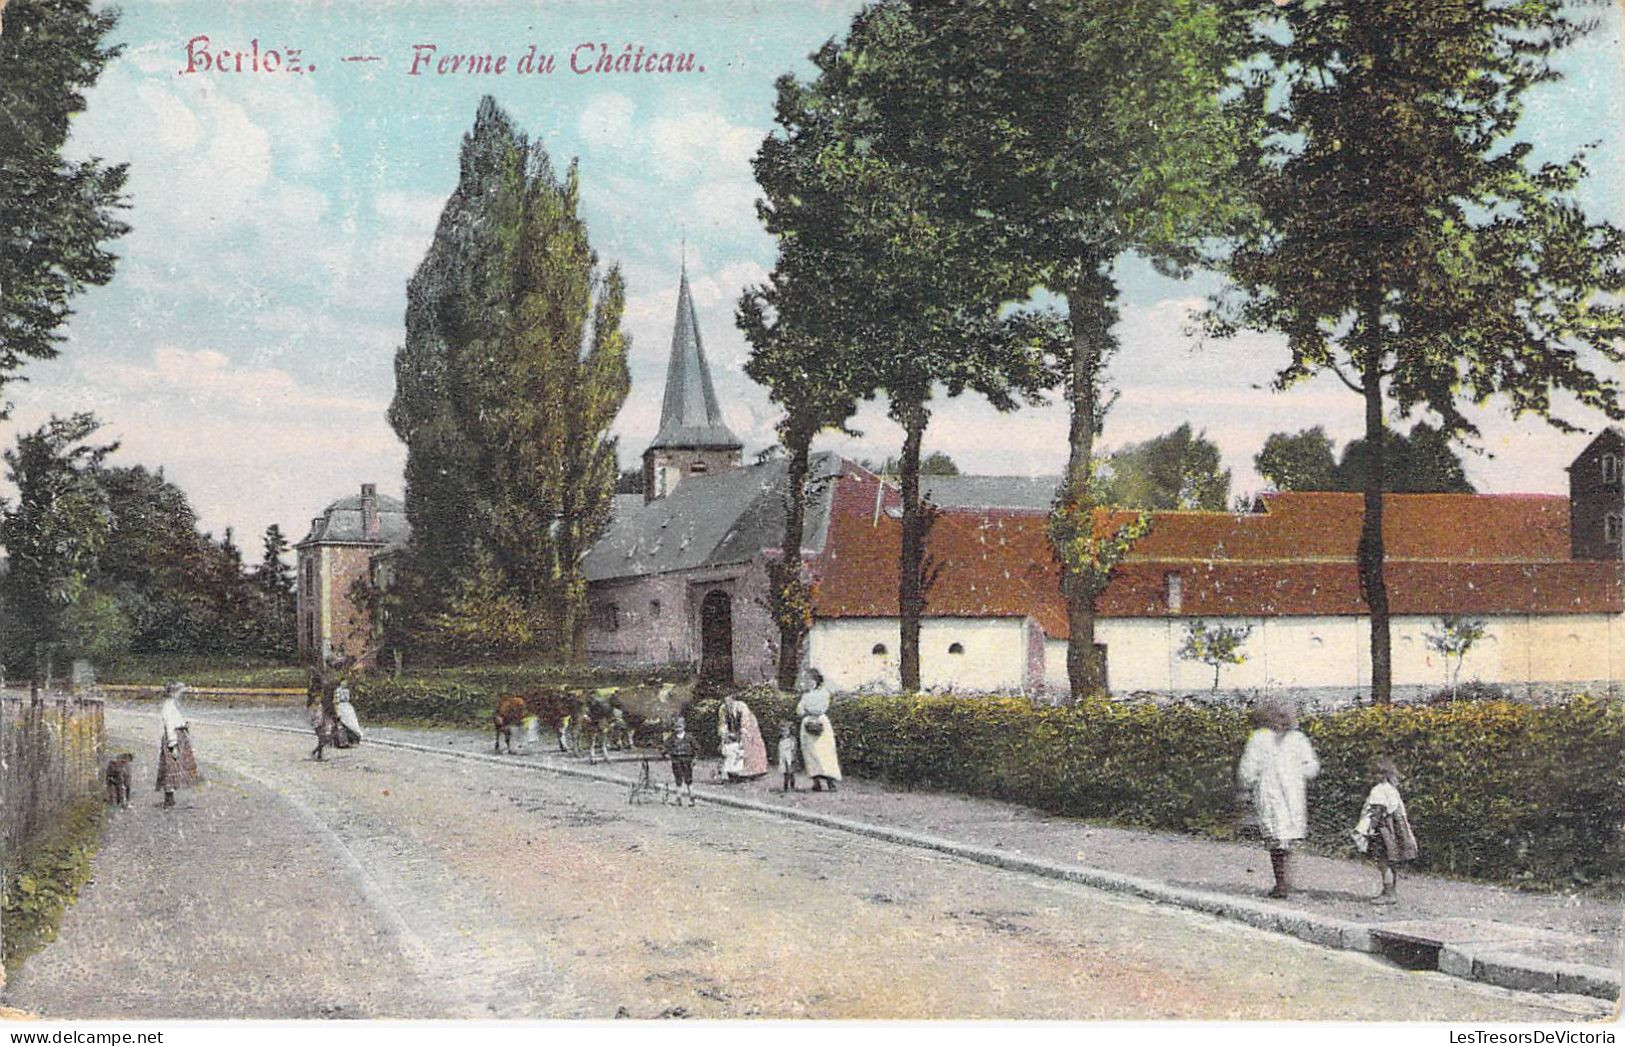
(1496, 790)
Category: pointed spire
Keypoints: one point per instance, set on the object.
(689, 415)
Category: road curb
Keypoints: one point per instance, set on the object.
(1502, 969)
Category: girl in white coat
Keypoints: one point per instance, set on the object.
(1276, 767)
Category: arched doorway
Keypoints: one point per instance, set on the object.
(717, 639)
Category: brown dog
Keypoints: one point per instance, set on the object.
(120, 770)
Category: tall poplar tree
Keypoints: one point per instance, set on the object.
(1410, 243)
(453, 299)
(513, 371)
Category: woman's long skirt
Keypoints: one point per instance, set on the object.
(754, 749)
(178, 768)
(818, 753)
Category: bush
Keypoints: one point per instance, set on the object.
(1473, 690)
(45, 878)
(1495, 789)
(467, 697)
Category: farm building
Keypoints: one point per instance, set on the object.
(681, 576)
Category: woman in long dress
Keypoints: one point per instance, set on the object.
(744, 752)
(177, 766)
(1276, 767)
(818, 752)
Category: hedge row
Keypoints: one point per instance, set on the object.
(468, 698)
(1496, 790)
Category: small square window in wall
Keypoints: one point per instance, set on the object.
(654, 610)
(607, 617)
(1610, 468)
(1175, 594)
(1613, 527)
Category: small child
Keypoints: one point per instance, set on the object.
(787, 757)
(680, 749)
(1384, 830)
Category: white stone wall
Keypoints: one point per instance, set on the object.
(1312, 652)
(994, 656)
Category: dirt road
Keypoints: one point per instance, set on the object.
(384, 883)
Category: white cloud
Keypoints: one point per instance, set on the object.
(409, 212)
(606, 119)
(204, 376)
(700, 144)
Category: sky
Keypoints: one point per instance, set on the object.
(246, 343)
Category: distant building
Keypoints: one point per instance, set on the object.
(341, 549)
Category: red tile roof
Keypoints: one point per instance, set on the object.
(1447, 553)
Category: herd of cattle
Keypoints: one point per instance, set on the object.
(594, 721)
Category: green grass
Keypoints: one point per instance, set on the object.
(47, 878)
(201, 670)
(221, 672)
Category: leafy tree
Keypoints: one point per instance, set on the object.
(1179, 470)
(1215, 645)
(1452, 637)
(181, 591)
(513, 371)
(844, 186)
(1421, 463)
(1304, 460)
(630, 481)
(1407, 241)
(55, 215)
(273, 575)
(53, 534)
(807, 372)
(935, 463)
(1100, 134)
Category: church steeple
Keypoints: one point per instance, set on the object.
(693, 439)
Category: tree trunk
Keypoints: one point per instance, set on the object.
(1373, 585)
(911, 565)
(792, 634)
(1087, 303)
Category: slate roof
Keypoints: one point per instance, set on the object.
(1009, 492)
(689, 415)
(340, 522)
(1449, 553)
(710, 520)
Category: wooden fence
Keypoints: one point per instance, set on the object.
(50, 758)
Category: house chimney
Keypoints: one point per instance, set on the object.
(369, 511)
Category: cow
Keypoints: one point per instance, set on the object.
(555, 708)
